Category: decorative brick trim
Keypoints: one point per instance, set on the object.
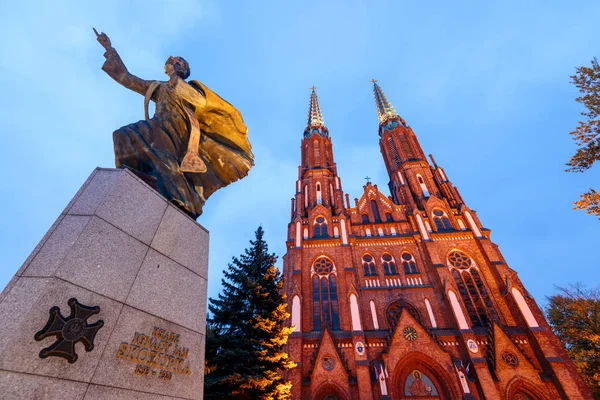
(396, 287)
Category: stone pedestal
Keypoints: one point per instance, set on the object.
(120, 246)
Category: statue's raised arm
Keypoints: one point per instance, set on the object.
(195, 143)
(116, 69)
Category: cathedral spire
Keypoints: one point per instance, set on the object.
(385, 109)
(315, 118)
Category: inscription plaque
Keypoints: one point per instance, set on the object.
(157, 355)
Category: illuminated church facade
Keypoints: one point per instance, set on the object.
(404, 296)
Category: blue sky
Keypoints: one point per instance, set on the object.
(484, 86)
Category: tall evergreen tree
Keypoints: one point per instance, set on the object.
(244, 353)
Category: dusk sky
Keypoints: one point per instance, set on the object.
(485, 87)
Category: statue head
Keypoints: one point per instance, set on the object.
(179, 65)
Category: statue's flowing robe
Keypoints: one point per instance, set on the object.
(154, 148)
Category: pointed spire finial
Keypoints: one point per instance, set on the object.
(385, 109)
(315, 118)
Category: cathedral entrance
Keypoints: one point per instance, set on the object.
(330, 392)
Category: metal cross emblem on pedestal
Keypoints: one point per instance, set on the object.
(69, 331)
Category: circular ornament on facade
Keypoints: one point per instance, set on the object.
(510, 358)
(472, 345)
(459, 260)
(323, 266)
(410, 333)
(328, 363)
(360, 348)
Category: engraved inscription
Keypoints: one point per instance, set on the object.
(158, 355)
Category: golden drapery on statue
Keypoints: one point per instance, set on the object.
(195, 143)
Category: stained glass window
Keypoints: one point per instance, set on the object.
(369, 265)
(441, 221)
(325, 299)
(408, 262)
(395, 309)
(472, 290)
(389, 265)
(320, 228)
(375, 211)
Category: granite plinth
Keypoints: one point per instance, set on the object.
(121, 246)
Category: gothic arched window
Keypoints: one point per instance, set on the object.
(389, 265)
(375, 210)
(388, 217)
(472, 290)
(423, 186)
(369, 265)
(365, 219)
(395, 309)
(409, 264)
(319, 194)
(325, 300)
(320, 228)
(441, 221)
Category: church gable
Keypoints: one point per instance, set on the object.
(433, 201)
(319, 209)
(510, 361)
(370, 194)
(328, 366)
(412, 348)
(409, 336)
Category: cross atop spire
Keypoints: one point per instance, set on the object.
(315, 118)
(385, 109)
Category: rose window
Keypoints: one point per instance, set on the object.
(328, 363)
(510, 358)
(395, 309)
(323, 266)
(459, 260)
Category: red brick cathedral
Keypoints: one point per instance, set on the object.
(405, 296)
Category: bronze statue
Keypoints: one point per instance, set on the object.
(195, 143)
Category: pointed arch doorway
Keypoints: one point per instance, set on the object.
(330, 392)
